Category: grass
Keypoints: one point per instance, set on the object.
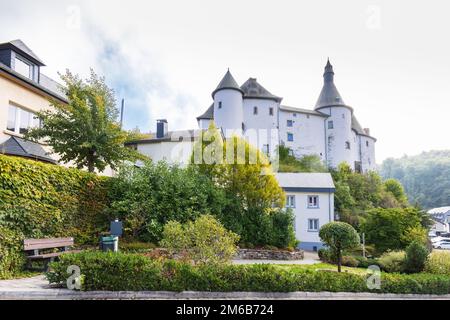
(319, 266)
(23, 274)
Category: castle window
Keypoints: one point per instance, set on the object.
(290, 137)
(271, 111)
(347, 145)
(367, 143)
(307, 116)
(294, 115)
(255, 110)
(220, 105)
(266, 149)
(330, 125)
(289, 123)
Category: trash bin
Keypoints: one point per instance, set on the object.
(109, 243)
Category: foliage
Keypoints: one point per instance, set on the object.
(85, 130)
(356, 193)
(394, 228)
(392, 261)
(136, 246)
(438, 262)
(416, 256)
(307, 163)
(147, 197)
(116, 271)
(253, 198)
(204, 240)
(40, 200)
(339, 236)
(11, 257)
(350, 261)
(426, 177)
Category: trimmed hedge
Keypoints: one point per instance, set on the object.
(39, 200)
(117, 271)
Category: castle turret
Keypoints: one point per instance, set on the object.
(228, 106)
(341, 145)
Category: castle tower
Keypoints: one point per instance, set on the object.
(341, 145)
(228, 106)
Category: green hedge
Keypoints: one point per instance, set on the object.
(116, 271)
(39, 200)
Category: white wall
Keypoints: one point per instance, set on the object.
(367, 153)
(230, 115)
(325, 214)
(172, 152)
(309, 133)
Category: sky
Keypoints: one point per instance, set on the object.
(391, 58)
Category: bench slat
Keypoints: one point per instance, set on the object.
(33, 244)
(50, 255)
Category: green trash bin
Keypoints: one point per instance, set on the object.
(109, 243)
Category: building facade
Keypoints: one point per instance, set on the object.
(330, 131)
(311, 198)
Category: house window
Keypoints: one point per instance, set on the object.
(290, 201)
(23, 67)
(20, 120)
(313, 201)
(220, 105)
(290, 137)
(289, 123)
(270, 111)
(294, 115)
(266, 149)
(313, 224)
(330, 124)
(347, 145)
(255, 110)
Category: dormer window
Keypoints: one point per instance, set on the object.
(23, 67)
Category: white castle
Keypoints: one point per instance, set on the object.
(330, 131)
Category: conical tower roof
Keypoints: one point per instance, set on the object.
(227, 82)
(329, 96)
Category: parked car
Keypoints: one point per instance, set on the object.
(443, 244)
(439, 238)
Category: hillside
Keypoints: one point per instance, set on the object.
(425, 177)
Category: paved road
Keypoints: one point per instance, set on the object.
(38, 288)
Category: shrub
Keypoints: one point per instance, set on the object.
(366, 262)
(392, 261)
(438, 262)
(118, 271)
(136, 246)
(204, 241)
(350, 261)
(326, 255)
(39, 200)
(416, 256)
(339, 236)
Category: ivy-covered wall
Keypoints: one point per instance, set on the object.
(42, 200)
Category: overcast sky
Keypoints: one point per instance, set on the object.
(391, 58)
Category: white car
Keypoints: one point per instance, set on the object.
(438, 239)
(444, 244)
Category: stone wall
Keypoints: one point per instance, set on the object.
(263, 254)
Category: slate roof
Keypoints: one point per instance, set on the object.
(252, 89)
(305, 180)
(302, 110)
(227, 82)
(20, 147)
(208, 114)
(22, 48)
(329, 96)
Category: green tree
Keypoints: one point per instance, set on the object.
(85, 130)
(416, 257)
(339, 236)
(307, 163)
(396, 189)
(204, 240)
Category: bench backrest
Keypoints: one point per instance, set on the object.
(35, 244)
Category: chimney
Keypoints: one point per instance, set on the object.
(367, 131)
(161, 128)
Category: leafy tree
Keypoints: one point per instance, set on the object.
(307, 163)
(85, 130)
(339, 236)
(146, 198)
(396, 189)
(204, 240)
(416, 257)
(394, 228)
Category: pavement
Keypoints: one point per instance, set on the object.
(309, 258)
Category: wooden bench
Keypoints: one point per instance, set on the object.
(38, 249)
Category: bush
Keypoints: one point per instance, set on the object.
(416, 256)
(136, 246)
(366, 262)
(326, 255)
(203, 241)
(39, 200)
(392, 261)
(438, 262)
(118, 271)
(350, 261)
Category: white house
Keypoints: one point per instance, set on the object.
(311, 197)
(441, 219)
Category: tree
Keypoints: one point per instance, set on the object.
(416, 257)
(307, 163)
(204, 240)
(393, 228)
(85, 130)
(339, 236)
